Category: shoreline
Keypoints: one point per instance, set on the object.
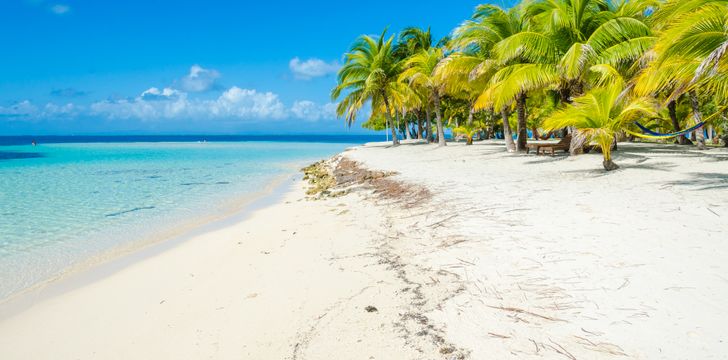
(105, 196)
(483, 254)
(259, 288)
(102, 265)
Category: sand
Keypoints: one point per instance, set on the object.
(509, 256)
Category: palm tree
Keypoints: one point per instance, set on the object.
(559, 42)
(475, 65)
(690, 53)
(603, 111)
(420, 73)
(411, 41)
(469, 130)
(369, 74)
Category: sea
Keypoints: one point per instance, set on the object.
(69, 199)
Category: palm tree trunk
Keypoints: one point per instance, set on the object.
(565, 95)
(470, 115)
(699, 136)
(407, 134)
(507, 134)
(428, 125)
(438, 117)
(522, 125)
(672, 109)
(419, 126)
(606, 147)
(388, 114)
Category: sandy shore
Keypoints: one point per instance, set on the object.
(467, 252)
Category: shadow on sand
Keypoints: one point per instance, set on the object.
(703, 181)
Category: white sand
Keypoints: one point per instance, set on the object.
(513, 257)
(286, 283)
(632, 262)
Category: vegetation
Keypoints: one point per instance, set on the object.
(588, 67)
(469, 131)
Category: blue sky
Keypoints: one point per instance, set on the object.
(122, 67)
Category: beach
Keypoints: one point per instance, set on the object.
(420, 252)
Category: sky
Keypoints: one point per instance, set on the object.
(188, 67)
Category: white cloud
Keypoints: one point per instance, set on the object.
(245, 103)
(26, 110)
(60, 9)
(154, 94)
(67, 110)
(312, 68)
(311, 111)
(168, 103)
(200, 79)
(21, 109)
(234, 103)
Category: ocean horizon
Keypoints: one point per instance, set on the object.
(71, 198)
(9, 140)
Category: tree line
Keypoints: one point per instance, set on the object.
(591, 68)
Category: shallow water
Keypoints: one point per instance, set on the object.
(62, 204)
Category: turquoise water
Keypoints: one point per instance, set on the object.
(62, 204)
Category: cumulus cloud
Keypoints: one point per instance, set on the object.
(154, 94)
(200, 79)
(312, 68)
(245, 103)
(26, 110)
(154, 104)
(60, 9)
(311, 111)
(68, 110)
(23, 109)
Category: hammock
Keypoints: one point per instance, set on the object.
(655, 135)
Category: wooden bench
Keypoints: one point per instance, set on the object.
(564, 144)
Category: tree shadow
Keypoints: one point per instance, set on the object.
(592, 173)
(714, 154)
(642, 164)
(598, 171)
(703, 181)
(546, 159)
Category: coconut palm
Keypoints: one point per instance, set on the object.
(603, 111)
(420, 73)
(402, 102)
(369, 74)
(545, 54)
(690, 53)
(519, 71)
(559, 42)
(469, 130)
(411, 41)
(472, 69)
